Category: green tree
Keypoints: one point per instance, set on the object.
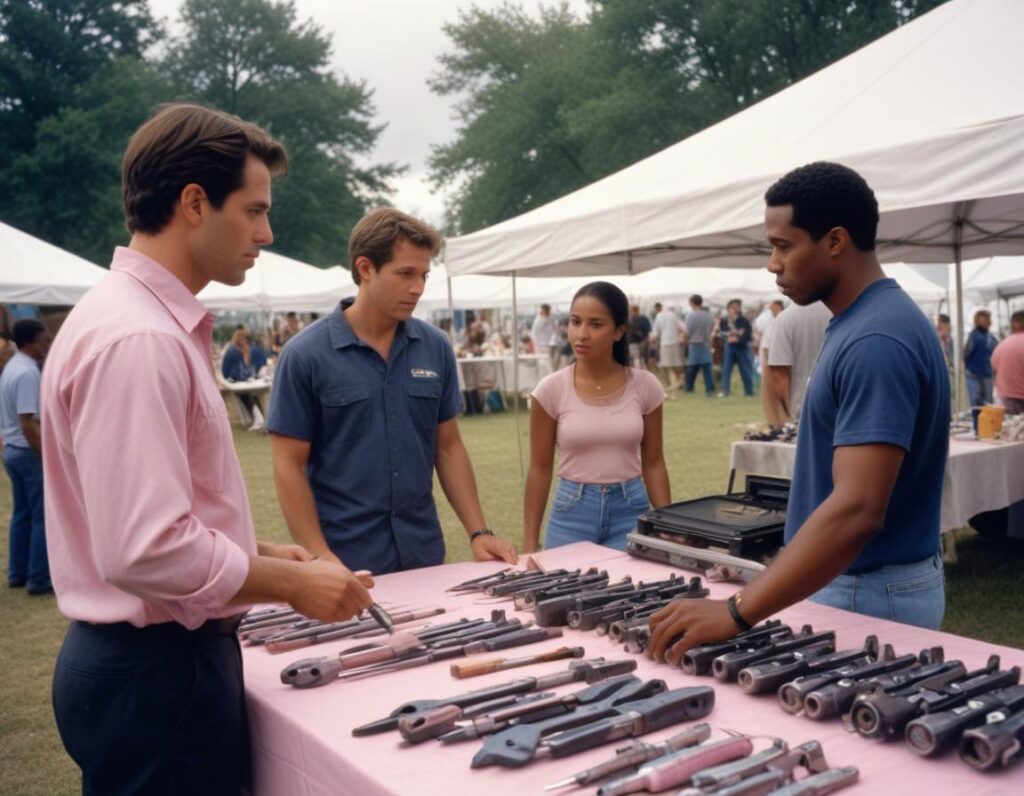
(552, 103)
(72, 88)
(254, 58)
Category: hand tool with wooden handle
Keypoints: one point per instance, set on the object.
(476, 668)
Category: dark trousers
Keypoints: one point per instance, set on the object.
(709, 377)
(27, 562)
(156, 710)
(741, 356)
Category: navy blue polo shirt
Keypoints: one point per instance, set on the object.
(880, 378)
(372, 429)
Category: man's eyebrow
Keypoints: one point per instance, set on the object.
(260, 205)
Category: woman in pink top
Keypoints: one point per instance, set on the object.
(604, 417)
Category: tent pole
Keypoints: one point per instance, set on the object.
(515, 374)
(958, 347)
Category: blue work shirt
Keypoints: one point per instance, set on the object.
(19, 395)
(978, 353)
(372, 429)
(880, 378)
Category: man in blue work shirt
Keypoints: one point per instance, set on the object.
(364, 408)
(27, 562)
(862, 526)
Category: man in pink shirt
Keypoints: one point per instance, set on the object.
(153, 556)
(1008, 363)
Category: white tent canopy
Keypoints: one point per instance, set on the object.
(1000, 277)
(932, 115)
(277, 283)
(35, 272)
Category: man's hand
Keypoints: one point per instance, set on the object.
(491, 548)
(702, 621)
(287, 552)
(330, 592)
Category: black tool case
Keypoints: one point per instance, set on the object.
(740, 525)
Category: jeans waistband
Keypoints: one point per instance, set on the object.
(224, 626)
(934, 561)
(604, 488)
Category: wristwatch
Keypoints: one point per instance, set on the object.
(734, 610)
(480, 532)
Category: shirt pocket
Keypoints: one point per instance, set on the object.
(346, 412)
(425, 403)
(208, 445)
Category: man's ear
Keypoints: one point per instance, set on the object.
(364, 265)
(837, 240)
(193, 203)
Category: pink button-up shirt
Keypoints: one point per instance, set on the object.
(147, 518)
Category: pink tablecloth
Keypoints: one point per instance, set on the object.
(302, 742)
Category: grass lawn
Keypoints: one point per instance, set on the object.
(984, 587)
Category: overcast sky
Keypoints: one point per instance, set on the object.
(393, 45)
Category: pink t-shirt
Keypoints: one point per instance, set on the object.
(1008, 361)
(598, 439)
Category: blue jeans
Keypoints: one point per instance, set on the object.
(743, 358)
(913, 594)
(601, 513)
(27, 562)
(979, 390)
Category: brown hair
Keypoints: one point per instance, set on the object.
(376, 234)
(184, 144)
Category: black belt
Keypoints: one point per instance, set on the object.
(224, 626)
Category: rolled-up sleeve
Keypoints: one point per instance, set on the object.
(135, 422)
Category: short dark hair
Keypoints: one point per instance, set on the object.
(27, 331)
(618, 306)
(827, 195)
(697, 300)
(736, 301)
(184, 144)
(291, 315)
(943, 318)
(1017, 317)
(375, 235)
(546, 307)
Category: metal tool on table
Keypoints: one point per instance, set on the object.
(307, 637)
(636, 754)
(382, 617)
(727, 667)
(698, 660)
(792, 694)
(477, 668)
(882, 714)
(772, 767)
(934, 733)
(635, 708)
(820, 784)
(773, 673)
(590, 671)
(677, 768)
(999, 742)
(835, 698)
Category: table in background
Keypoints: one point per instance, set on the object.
(981, 475)
(499, 372)
(302, 741)
(236, 388)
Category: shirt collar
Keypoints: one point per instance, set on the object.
(186, 309)
(342, 335)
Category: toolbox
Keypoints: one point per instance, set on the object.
(743, 529)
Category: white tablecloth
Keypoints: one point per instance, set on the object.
(499, 372)
(980, 475)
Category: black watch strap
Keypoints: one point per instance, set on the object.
(480, 532)
(737, 617)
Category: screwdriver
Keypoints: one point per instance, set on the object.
(383, 618)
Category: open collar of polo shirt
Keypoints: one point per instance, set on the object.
(343, 336)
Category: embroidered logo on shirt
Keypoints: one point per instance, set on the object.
(423, 373)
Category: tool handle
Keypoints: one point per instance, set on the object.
(476, 668)
(515, 639)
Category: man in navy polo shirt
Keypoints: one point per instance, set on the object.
(364, 408)
(862, 528)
